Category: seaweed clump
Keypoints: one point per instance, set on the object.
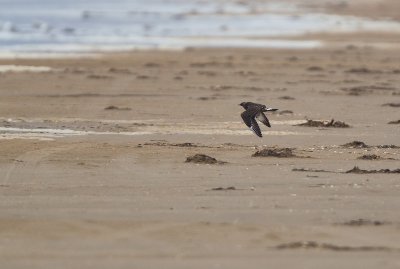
(357, 170)
(329, 124)
(275, 152)
(364, 222)
(369, 157)
(355, 144)
(202, 158)
(327, 246)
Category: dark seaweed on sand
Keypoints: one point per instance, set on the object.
(315, 68)
(369, 157)
(364, 89)
(286, 97)
(392, 104)
(360, 145)
(388, 147)
(327, 246)
(232, 188)
(164, 143)
(310, 170)
(330, 124)
(202, 158)
(363, 70)
(394, 122)
(354, 170)
(275, 152)
(116, 108)
(357, 170)
(355, 144)
(364, 222)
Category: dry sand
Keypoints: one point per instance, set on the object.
(113, 190)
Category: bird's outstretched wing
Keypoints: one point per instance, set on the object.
(248, 117)
(261, 117)
(255, 128)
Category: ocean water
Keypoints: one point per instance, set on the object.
(98, 25)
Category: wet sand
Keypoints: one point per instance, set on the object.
(113, 188)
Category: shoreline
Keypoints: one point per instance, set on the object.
(310, 26)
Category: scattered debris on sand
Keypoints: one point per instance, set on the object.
(152, 65)
(387, 147)
(185, 145)
(330, 124)
(94, 76)
(327, 246)
(363, 70)
(355, 145)
(202, 158)
(232, 188)
(206, 98)
(207, 73)
(364, 222)
(366, 89)
(356, 91)
(166, 143)
(394, 122)
(354, 170)
(392, 104)
(163, 143)
(119, 70)
(286, 97)
(369, 157)
(311, 170)
(117, 108)
(357, 170)
(275, 152)
(315, 68)
(359, 145)
(292, 58)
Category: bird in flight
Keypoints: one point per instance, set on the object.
(253, 111)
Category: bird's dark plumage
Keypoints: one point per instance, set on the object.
(252, 112)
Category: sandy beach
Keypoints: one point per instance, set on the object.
(93, 151)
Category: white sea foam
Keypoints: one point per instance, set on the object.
(24, 68)
(10, 54)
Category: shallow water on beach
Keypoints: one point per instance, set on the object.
(220, 128)
(46, 26)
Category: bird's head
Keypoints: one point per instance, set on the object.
(243, 104)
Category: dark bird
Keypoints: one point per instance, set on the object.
(252, 112)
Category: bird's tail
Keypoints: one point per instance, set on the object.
(270, 109)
